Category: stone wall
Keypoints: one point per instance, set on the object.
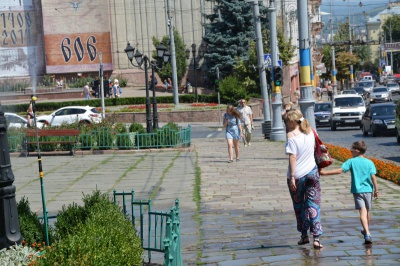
(185, 116)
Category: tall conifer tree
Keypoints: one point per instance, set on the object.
(227, 34)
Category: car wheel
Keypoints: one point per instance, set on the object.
(84, 122)
(365, 132)
(397, 136)
(333, 127)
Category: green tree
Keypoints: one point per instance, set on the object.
(360, 50)
(228, 34)
(231, 90)
(343, 60)
(166, 71)
(246, 70)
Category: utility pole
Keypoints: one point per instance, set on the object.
(173, 56)
(350, 50)
(266, 126)
(311, 58)
(334, 85)
(391, 41)
(277, 133)
(307, 100)
(101, 74)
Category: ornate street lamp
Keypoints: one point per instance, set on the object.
(201, 54)
(162, 52)
(10, 233)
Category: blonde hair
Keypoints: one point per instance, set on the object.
(235, 112)
(295, 116)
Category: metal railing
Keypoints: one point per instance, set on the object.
(162, 233)
(162, 138)
(105, 139)
(16, 142)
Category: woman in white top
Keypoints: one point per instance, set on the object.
(303, 177)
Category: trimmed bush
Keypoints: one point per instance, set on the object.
(104, 237)
(32, 229)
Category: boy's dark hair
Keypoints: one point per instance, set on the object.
(360, 146)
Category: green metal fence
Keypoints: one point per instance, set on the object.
(16, 142)
(106, 138)
(162, 233)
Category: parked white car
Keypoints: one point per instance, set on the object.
(70, 115)
(17, 121)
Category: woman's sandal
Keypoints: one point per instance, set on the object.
(317, 244)
(304, 240)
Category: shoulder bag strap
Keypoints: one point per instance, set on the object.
(317, 139)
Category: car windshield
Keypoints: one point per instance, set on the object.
(359, 89)
(322, 107)
(392, 85)
(379, 90)
(383, 111)
(348, 102)
(366, 84)
(94, 110)
(349, 92)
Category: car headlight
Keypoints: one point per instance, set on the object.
(385, 95)
(377, 121)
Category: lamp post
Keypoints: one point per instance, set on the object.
(162, 52)
(194, 54)
(10, 233)
(140, 59)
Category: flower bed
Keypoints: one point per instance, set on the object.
(384, 169)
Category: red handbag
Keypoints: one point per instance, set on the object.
(322, 157)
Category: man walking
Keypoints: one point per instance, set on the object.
(247, 121)
(86, 91)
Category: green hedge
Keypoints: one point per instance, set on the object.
(51, 106)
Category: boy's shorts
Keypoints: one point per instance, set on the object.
(363, 200)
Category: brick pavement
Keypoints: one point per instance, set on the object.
(245, 209)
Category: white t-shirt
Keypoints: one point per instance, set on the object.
(303, 146)
(245, 112)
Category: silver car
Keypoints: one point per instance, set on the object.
(380, 94)
(367, 85)
(393, 87)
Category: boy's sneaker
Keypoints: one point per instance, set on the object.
(368, 239)
(363, 232)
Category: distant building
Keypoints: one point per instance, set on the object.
(375, 32)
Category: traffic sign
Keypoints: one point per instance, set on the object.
(267, 60)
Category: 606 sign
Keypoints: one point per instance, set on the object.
(79, 48)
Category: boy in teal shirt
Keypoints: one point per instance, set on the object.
(363, 183)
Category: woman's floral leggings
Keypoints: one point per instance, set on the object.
(306, 203)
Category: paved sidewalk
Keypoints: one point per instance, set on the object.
(245, 209)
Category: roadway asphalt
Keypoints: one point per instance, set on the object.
(245, 215)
